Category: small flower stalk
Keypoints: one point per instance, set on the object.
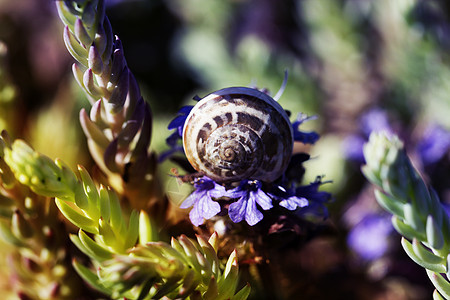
(418, 214)
(118, 127)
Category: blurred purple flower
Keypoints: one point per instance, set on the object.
(434, 144)
(353, 148)
(369, 238)
(374, 120)
(316, 199)
(288, 199)
(204, 206)
(304, 137)
(249, 193)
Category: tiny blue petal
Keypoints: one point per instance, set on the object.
(190, 200)
(249, 194)
(204, 206)
(316, 198)
(262, 199)
(237, 209)
(207, 207)
(304, 137)
(252, 214)
(293, 202)
(177, 122)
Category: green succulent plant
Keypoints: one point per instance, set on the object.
(418, 214)
(130, 262)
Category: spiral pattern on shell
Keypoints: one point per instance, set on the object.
(238, 133)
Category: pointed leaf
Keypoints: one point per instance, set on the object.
(119, 94)
(406, 230)
(210, 253)
(64, 13)
(95, 61)
(81, 34)
(212, 292)
(109, 157)
(418, 260)
(90, 277)
(81, 199)
(76, 218)
(147, 230)
(437, 296)
(166, 288)
(190, 283)
(95, 250)
(390, 204)
(412, 218)
(91, 87)
(7, 236)
(116, 220)
(133, 230)
(243, 293)
(74, 48)
(91, 192)
(92, 131)
(128, 132)
(106, 56)
(190, 250)
(426, 255)
(442, 285)
(105, 210)
(109, 237)
(435, 237)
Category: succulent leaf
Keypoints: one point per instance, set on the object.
(417, 212)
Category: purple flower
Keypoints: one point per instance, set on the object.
(373, 120)
(353, 148)
(172, 140)
(434, 145)
(304, 137)
(249, 193)
(288, 199)
(178, 124)
(316, 199)
(369, 238)
(204, 206)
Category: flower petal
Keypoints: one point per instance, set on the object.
(190, 200)
(293, 202)
(235, 193)
(252, 214)
(236, 211)
(177, 122)
(218, 191)
(262, 199)
(301, 136)
(195, 216)
(207, 207)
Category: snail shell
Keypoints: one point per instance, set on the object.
(238, 133)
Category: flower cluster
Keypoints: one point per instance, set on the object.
(247, 199)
